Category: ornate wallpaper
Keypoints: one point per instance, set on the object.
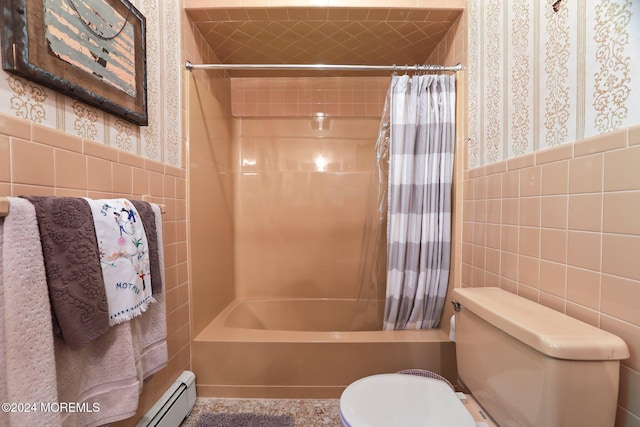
(539, 77)
(160, 140)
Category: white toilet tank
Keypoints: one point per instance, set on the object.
(529, 365)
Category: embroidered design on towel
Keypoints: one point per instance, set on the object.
(124, 258)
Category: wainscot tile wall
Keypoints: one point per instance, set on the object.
(560, 227)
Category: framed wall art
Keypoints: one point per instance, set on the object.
(91, 50)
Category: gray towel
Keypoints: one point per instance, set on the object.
(72, 264)
(148, 219)
(150, 330)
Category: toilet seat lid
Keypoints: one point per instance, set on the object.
(402, 400)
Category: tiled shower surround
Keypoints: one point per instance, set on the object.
(561, 227)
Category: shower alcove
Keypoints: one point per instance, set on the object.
(279, 164)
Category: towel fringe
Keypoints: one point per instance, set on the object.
(132, 313)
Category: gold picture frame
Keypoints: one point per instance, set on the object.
(91, 50)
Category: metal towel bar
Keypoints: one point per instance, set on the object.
(4, 205)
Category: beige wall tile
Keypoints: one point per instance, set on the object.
(467, 188)
(5, 159)
(69, 192)
(31, 163)
(601, 143)
(583, 250)
(492, 260)
(634, 135)
(5, 189)
(478, 276)
(494, 211)
(616, 294)
(555, 178)
(509, 239)
(70, 170)
(553, 278)
(99, 177)
(480, 210)
(622, 212)
(13, 126)
(619, 255)
(101, 151)
(480, 188)
(583, 287)
(553, 212)
(509, 285)
(156, 184)
(494, 186)
(56, 138)
(130, 159)
(553, 245)
(529, 211)
(583, 313)
(122, 178)
(511, 184)
(510, 211)
(494, 236)
(585, 212)
(629, 389)
(528, 292)
(621, 171)
(467, 210)
(522, 162)
(140, 181)
(467, 232)
(530, 181)
(467, 250)
(479, 233)
(509, 265)
(529, 241)
(491, 279)
(478, 257)
(554, 154)
(496, 168)
(529, 271)
(553, 302)
(586, 174)
(31, 190)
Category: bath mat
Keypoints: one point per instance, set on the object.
(244, 420)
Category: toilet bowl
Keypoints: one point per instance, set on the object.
(526, 365)
(386, 400)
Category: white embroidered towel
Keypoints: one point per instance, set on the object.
(124, 258)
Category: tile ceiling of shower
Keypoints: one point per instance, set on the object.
(369, 36)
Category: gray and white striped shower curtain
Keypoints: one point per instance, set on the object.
(419, 213)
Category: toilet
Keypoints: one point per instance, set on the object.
(525, 364)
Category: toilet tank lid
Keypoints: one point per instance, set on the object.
(548, 331)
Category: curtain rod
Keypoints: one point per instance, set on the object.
(321, 67)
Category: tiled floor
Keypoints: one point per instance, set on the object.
(305, 412)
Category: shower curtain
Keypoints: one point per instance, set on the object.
(422, 115)
(372, 270)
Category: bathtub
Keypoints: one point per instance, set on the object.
(303, 348)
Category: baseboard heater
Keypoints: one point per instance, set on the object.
(174, 405)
